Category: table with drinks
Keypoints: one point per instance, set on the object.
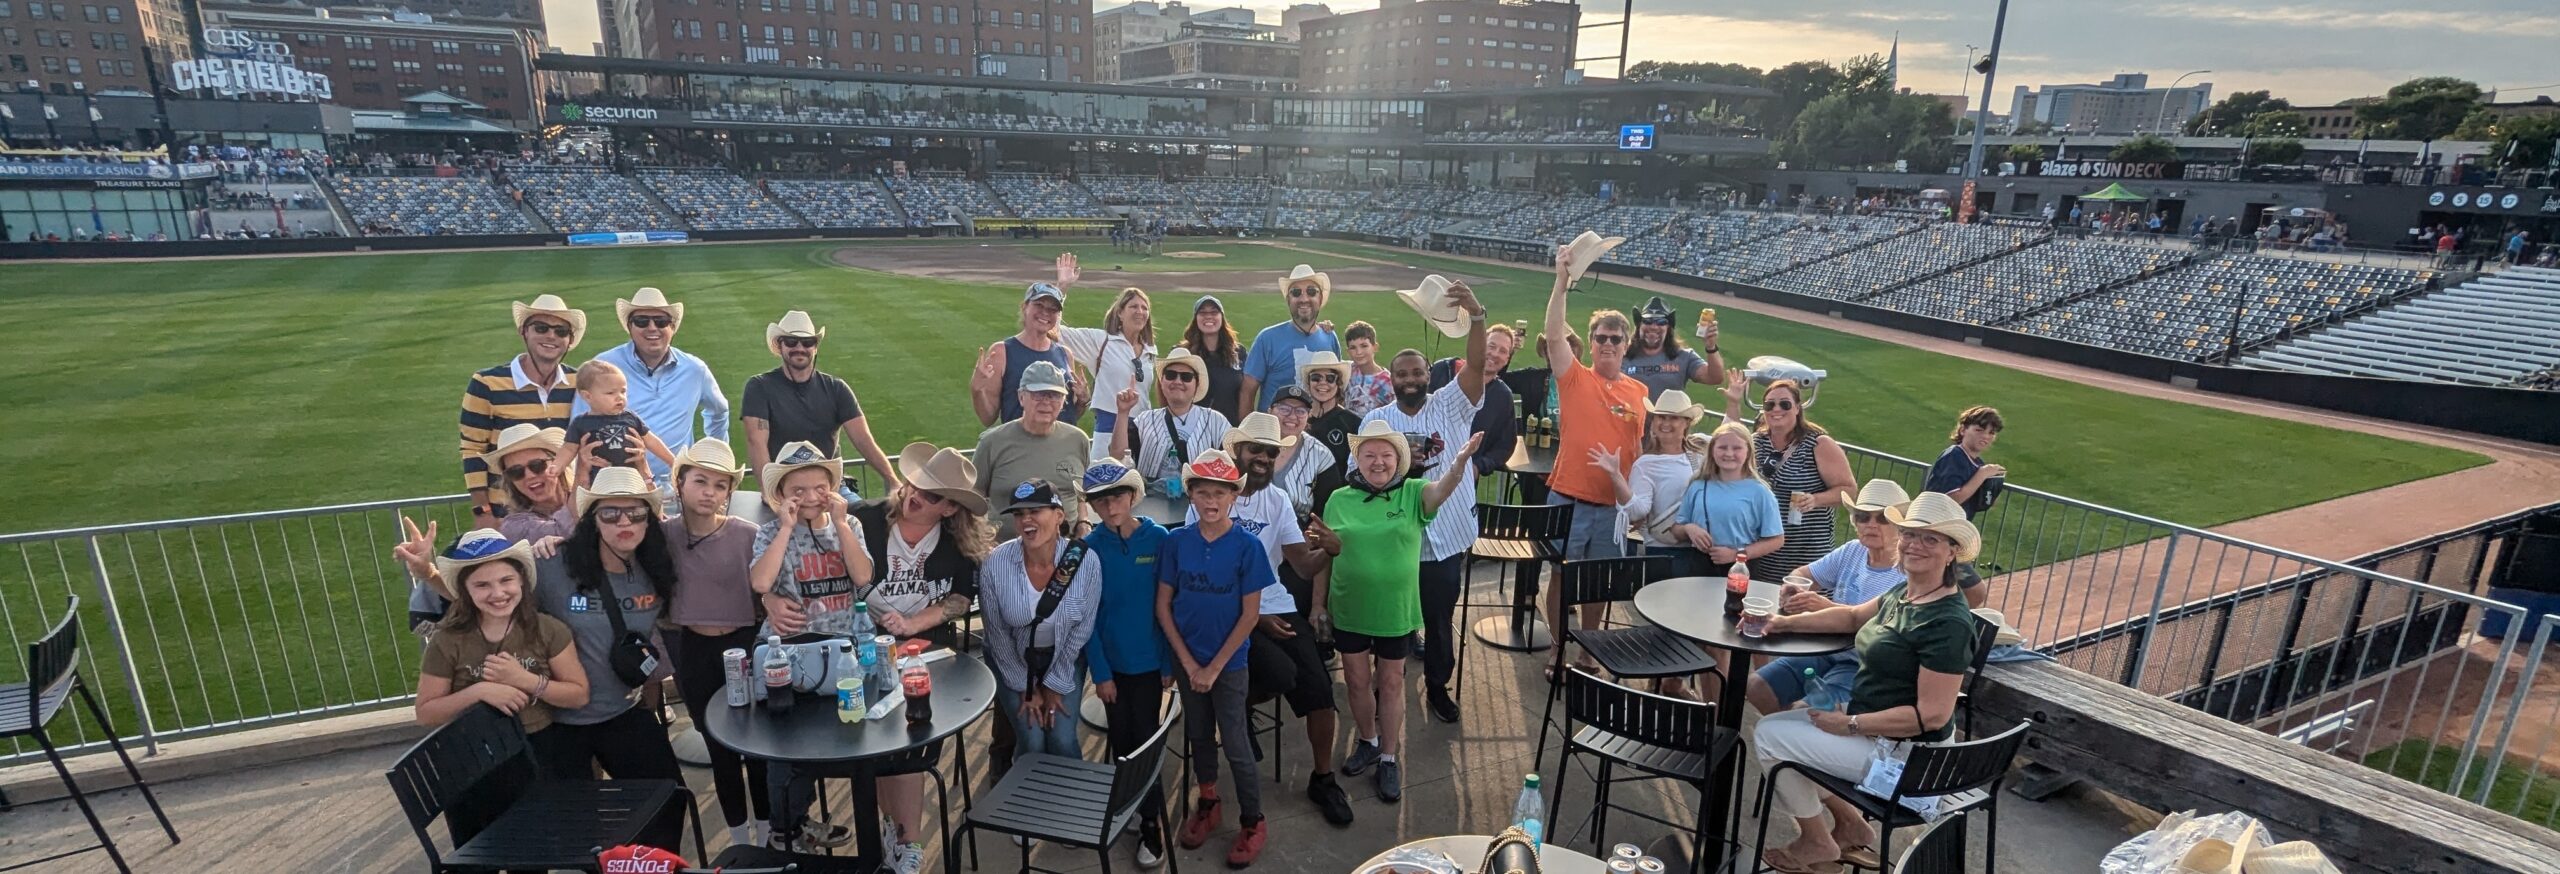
(1731, 613)
(880, 701)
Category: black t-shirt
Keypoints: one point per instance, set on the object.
(810, 411)
(617, 437)
(1953, 469)
(1334, 430)
(1226, 387)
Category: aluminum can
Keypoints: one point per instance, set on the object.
(735, 674)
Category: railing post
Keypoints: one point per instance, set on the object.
(2515, 708)
(2151, 626)
(124, 651)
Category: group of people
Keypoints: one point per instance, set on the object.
(1325, 495)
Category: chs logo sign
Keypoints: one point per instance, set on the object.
(575, 113)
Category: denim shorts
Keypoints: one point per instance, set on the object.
(1597, 530)
(1837, 672)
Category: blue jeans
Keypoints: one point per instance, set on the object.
(1597, 530)
(1058, 739)
(1837, 673)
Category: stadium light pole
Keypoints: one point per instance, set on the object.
(1982, 117)
(2172, 89)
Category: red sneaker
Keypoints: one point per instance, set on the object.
(1204, 819)
(1248, 845)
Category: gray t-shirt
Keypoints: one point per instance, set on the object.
(1660, 372)
(1008, 454)
(584, 613)
(815, 574)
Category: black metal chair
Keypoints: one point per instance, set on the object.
(1656, 736)
(1985, 636)
(478, 774)
(752, 859)
(1940, 850)
(1962, 775)
(53, 676)
(1523, 538)
(1070, 801)
(1627, 652)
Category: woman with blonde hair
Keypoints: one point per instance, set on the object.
(1803, 466)
(1119, 355)
(1650, 493)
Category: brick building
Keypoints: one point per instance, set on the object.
(372, 63)
(90, 45)
(1214, 55)
(1418, 45)
(926, 38)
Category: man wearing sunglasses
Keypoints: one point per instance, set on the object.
(534, 387)
(1600, 411)
(797, 402)
(668, 388)
(1272, 362)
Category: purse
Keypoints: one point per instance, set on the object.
(1512, 852)
(632, 656)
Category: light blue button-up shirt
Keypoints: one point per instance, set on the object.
(668, 398)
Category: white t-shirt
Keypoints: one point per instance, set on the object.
(1115, 363)
(1450, 417)
(1844, 571)
(1268, 515)
(1654, 488)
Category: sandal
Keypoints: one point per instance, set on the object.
(1791, 866)
(1861, 856)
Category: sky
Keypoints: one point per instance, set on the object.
(2313, 53)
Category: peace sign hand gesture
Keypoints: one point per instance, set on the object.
(416, 550)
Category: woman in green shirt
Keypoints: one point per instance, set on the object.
(1374, 599)
(1914, 644)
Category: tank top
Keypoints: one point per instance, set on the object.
(1018, 356)
(1789, 473)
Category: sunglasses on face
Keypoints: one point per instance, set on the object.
(1306, 292)
(622, 515)
(932, 499)
(1326, 376)
(536, 467)
(1782, 404)
(646, 321)
(552, 328)
(1867, 517)
(1608, 339)
(1180, 376)
(798, 342)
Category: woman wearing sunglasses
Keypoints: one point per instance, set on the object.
(532, 492)
(1327, 378)
(1119, 355)
(1805, 467)
(1162, 440)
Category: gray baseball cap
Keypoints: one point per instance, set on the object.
(1043, 376)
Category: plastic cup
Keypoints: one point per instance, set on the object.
(1756, 613)
(1788, 591)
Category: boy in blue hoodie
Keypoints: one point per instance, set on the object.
(1128, 653)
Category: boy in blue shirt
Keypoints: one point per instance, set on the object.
(1127, 654)
(1211, 575)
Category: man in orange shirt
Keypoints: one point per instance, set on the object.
(1599, 421)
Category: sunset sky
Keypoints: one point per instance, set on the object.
(2311, 53)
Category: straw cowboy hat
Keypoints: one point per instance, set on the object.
(1934, 511)
(1876, 496)
(2008, 635)
(1325, 360)
(710, 453)
(795, 455)
(522, 436)
(619, 482)
(1257, 427)
(478, 547)
(648, 299)
(1378, 429)
(794, 324)
(1431, 300)
(942, 472)
(552, 305)
(1213, 465)
(1675, 402)
(1324, 284)
(1585, 249)
(1108, 474)
(1183, 355)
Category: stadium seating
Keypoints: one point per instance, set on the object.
(1034, 195)
(1998, 290)
(1802, 240)
(1547, 219)
(590, 199)
(1313, 209)
(1901, 259)
(839, 203)
(2499, 329)
(2189, 314)
(383, 205)
(1482, 202)
(932, 197)
(1629, 221)
(1682, 245)
(713, 199)
(1129, 190)
(856, 116)
(1226, 190)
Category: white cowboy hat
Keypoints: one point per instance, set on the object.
(478, 547)
(1324, 284)
(1183, 355)
(1876, 496)
(1378, 429)
(1933, 511)
(552, 305)
(1212, 465)
(2008, 635)
(648, 299)
(1675, 402)
(710, 453)
(795, 455)
(522, 436)
(1585, 249)
(619, 482)
(794, 324)
(1325, 360)
(1257, 427)
(943, 472)
(1431, 300)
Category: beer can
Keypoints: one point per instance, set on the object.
(1622, 866)
(1629, 852)
(738, 676)
(1648, 865)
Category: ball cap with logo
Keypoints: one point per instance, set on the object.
(1034, 494)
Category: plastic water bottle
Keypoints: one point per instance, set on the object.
(863, 628)
(1817, 694)
(868, 658)
(1530, 814)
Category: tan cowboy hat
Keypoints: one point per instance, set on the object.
(1934, 511)
(1877, 495)
(943, 472)
(710, 453)
(1585, 249)
(619, 482)
(478, 547)
(1325, 360)
(1183, 355)
(552, 305)
(795, 455)
(1324, 284)
(1212, 465)
(2008, 635)
(1378, 429)
(648, 299)
(522, 436)
(1675, 402)
(794, 324)
(1431, 300)
(1257, 427)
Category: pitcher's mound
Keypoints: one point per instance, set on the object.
(1195, 254)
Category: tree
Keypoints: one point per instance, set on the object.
(2478, 125)
(2425, 108)
(2275, 151)
(2273, 124)
(2024, 152)
(1684, 71)
(2234, 110)
(1796, 86)
(2147, 147)
(2531, 138)
(1858, 128)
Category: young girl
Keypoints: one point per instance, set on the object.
(1728, 512)
(495, 647)
(809, 563)
(608, 431)
(714, 609)
(1369, 385)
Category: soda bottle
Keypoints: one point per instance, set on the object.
(1737, 583)
(777, 677)
(849, 704)
(868, 656)
(917, 682)
(1530, 812)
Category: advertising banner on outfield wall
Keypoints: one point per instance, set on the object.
(15, 170)
(627, 238)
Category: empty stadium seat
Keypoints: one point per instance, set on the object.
(2499, 329)
(711, 198)
(590, 199)
(839, 203)
(385, 205)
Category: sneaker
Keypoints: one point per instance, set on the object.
(1363, 754)
(907, 858)
(1328, 797)
(1390, 782)
(1204, 819)
(825, 834)
(1443, 707)
(1150, 846)
(1248, 846)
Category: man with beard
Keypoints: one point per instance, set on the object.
(1283, 658)
(1495, 420)
(669, 388)
(1272, 362)
(1437, 424)
(995, 386)
(1659, 361)
(797, 403)
(531, 388)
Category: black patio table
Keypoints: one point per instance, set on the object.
(963, 690)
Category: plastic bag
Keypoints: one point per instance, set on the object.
(2163, 849)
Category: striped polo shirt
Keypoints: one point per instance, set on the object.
(501, 396)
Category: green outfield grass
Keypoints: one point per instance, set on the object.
(1099, 258)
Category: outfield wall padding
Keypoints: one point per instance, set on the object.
(319, 245)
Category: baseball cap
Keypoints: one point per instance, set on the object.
(1043, 376)
(1033, 494)
(1293, 393)
(1048, 290)
(1206, 301)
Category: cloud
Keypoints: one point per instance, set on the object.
(2330, 18)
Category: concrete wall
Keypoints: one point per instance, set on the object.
(2187, 200)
